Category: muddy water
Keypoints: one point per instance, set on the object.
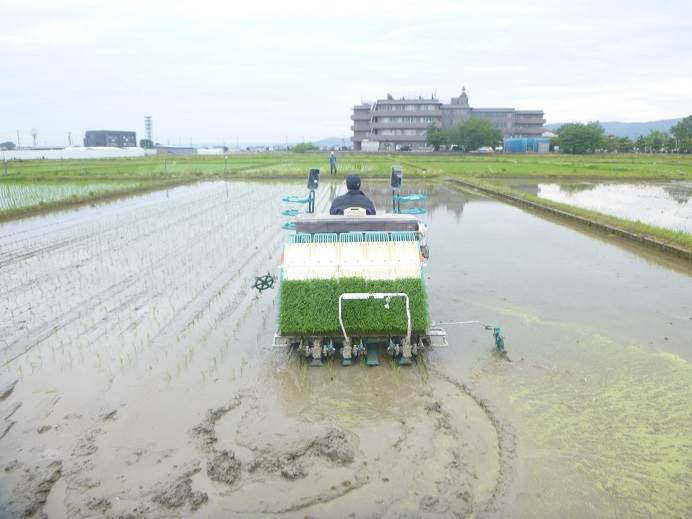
(664, 204)
(143, 386)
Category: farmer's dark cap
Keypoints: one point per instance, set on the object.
(353, 182)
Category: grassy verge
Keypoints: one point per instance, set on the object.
(312, 308)
(292, 165)
(164, 171)
(675, 238)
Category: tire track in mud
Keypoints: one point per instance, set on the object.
(86, 443)
(506, 441)
(290, 461)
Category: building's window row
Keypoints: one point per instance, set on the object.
(407, 131)
(407, 108)
(414, 120)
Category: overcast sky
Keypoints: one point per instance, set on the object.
(263, 71)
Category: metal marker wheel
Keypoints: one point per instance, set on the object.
(263, 282)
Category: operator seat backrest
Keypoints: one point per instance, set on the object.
(355, 211)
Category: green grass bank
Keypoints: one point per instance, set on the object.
(290, 165)
(489, 170)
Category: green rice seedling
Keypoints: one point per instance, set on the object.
(310, 307)
(395, 369)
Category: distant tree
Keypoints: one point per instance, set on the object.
(613, 143)
(554, 142)
(624, 144)
(580, 138)
(682, 132)
(146, 143)
(640, 144)
(671, 144)
(683, 129)
(7, 145)
(435, 137)
(473, 134)
(655, 141)
(610, 143)
(303, 147)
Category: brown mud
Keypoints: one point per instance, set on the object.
(137, 380)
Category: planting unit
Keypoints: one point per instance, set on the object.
(349, 284)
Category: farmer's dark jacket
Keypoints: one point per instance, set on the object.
(355, 198)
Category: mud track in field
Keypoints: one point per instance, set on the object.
(135, 382)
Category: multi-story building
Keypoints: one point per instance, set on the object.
(117, 139)
(393, 124)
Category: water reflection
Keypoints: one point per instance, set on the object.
(437, 196)
(665, 205)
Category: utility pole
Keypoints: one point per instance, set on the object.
(148, 125)
(19, 144)
(69, 138)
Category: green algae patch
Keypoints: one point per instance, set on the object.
(311, 307)
(626, 425)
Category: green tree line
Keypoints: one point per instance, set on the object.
(590, 138)
(303, 147)
(571, 138)
(466, 136)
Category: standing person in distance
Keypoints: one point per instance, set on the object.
(332, 163)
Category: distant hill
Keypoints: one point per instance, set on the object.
(631, 130)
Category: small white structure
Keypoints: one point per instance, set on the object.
(210, 151)
(74, 152)
(370, 146)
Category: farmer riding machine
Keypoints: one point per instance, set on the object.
(353, 283)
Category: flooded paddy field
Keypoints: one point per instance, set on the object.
(136, 381)
(664, 204)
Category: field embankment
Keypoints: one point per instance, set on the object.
(674, 242)
(157, 168)
(482, 170)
